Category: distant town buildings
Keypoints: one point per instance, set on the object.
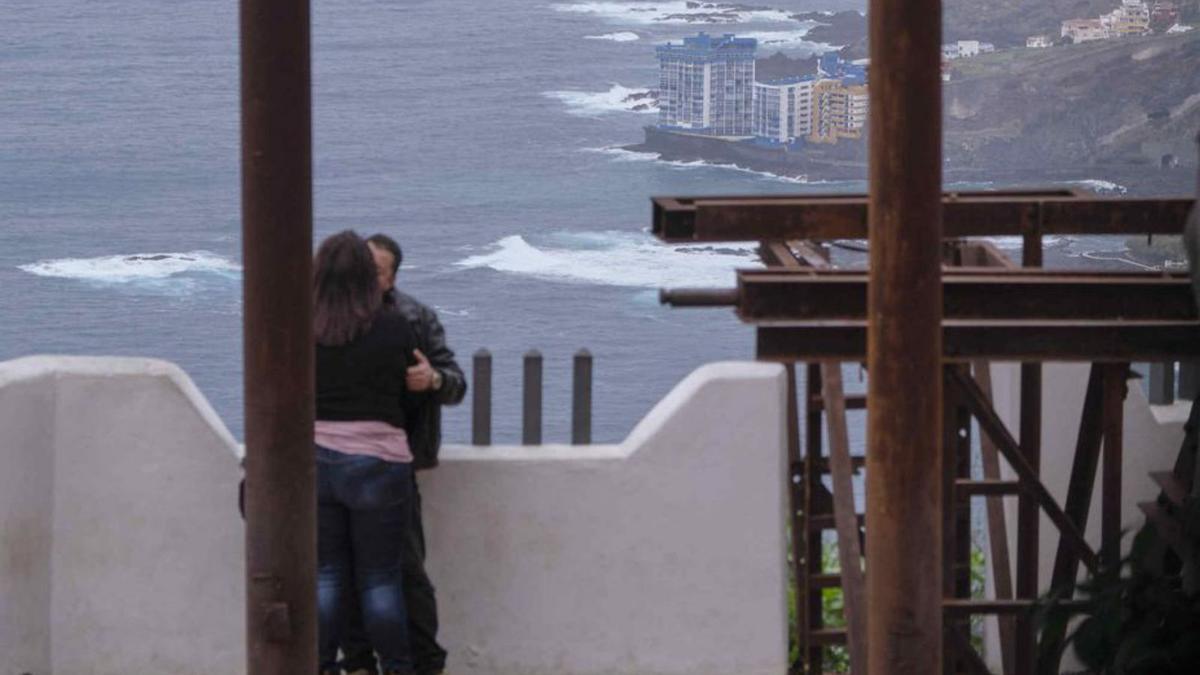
(1038, 41)
(707, 86)
(1132, 17)
(965, 49)
(1084, 30)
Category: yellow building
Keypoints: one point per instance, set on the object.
(839, 111)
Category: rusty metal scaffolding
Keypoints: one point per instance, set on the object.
(805, 311)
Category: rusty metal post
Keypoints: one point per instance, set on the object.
(904, 406)
(581, 399)
(481, 402)
(531, 416)
(281, 540)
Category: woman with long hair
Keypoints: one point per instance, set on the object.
(364, 466)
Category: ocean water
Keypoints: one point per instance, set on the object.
(483, 135)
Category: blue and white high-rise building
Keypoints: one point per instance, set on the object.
(706, 85)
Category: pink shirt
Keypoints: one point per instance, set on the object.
(369, 437)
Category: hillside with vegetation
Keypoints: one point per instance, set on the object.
(1132, 101)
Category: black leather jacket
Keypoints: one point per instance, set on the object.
(425, 421)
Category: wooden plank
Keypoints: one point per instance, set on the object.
(1002, 581)
(991, 424)
(1110, 496)
(796, 492)
(849, 552)
(967, 607)
(811, 609)
(951, 533)
(966, 488)
(1077, 506)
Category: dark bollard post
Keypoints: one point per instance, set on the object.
(531, 426)
(481, 403)
(581, 399)
(1162, 383)
(1189, 380)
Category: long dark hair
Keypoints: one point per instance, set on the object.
(346, 294)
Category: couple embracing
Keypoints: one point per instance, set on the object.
(383, 372)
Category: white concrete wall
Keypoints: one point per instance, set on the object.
(661, 555)
(1151, 443)
(122, 549)
(121, 541)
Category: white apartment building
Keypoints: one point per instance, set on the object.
(706, 84)
(1084, 30)
(964, 49)
(783, 109)
(1038, 42)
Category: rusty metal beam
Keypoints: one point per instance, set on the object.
(785, 296)
(1111, 341)
(281, 545)
(904, 398)
(826, 217)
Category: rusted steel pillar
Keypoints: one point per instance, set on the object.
(281, 550)
(904, 406)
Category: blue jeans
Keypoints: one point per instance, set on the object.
(364, 514)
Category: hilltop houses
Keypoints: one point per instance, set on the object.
(964, 49)
(1132, 17)
(707, 86)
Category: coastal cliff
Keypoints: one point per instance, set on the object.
(1124, 110)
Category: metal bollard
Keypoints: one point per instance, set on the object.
(531, 426)
(1189, 380)
(581, 399)
(481, 411)
(1162, 383)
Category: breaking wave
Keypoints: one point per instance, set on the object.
(1100, 186)
(616, 99)
(123, 269)
(622, 36)
(619, 154)
(615, 259)
(673, 12)
(791, 40)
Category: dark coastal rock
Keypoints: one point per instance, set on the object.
(839, 28)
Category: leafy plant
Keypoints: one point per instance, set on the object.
(1143, 622)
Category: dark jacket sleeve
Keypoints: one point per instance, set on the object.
(454, 383)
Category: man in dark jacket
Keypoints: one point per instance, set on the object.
(438, 381)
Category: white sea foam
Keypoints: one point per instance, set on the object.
(673, 12)
(1101, 186)
(792, 40)
(122, 269)
(1016, 243)
(622, 36)
(616, 99)
(615, 259)
(622, 155)
(619, 154)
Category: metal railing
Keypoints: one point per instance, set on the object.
(1173, 380)
(532, 386)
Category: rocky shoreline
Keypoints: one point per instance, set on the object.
(817, 163)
